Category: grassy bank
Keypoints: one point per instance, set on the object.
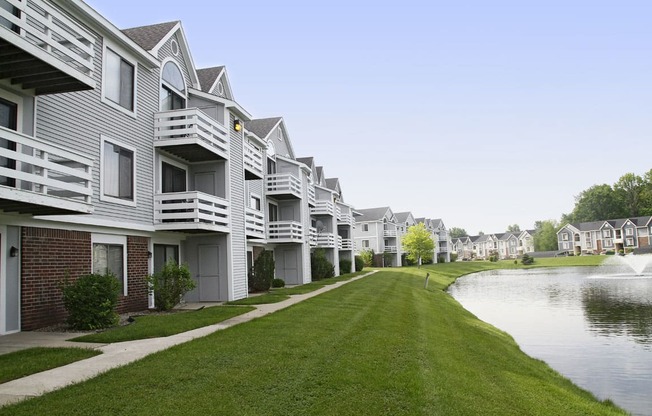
(382, 345)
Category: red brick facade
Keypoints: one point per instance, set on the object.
(49, 256)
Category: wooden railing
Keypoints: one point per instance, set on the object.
(283, 184)
(254, 223)
(190, 126)
(253, 160)
(191, 210)
(323, 208)
(285, 231)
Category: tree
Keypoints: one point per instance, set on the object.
(629, 192)
(480, 232)
(599, 202)
(263, 274)
(514, 228)
(457, 232)
(417, 243)
(545, 237)
(367, 257)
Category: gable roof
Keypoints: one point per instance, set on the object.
(208, 77)
(373, 214)
(320, 175)
(263, 126)
(334, 184)
(147, 37)
(402, 216)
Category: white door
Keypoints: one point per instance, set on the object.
(209, 272)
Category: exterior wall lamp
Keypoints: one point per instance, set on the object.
(13, 252)
(237, 125)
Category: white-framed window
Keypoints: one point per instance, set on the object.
(173, 87)
(117, 172)
(606, 233)
(629, 241)
(110, 255)
(119, 81)
(279, 134)
(254, 202)
(564, 237)
(365, 227)
(629, 231)
(365, 243)
(272, 212)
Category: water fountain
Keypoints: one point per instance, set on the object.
(631, 263)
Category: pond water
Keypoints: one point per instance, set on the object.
(593, 324)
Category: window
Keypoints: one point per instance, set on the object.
(606, 233)
(271, 166)
(365, 227)
(254, 202)
(365, 243)
(119, 80)
(173, 178)
(173, 88)
(272, 214)
(629, 231)
(564, 237)
(110, 256)
(629, 241)
(118, 173)
(279, 134)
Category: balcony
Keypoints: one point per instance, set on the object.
(191, 135)
(312, 237)
(347, 244)
(283, 186)
(443, 238)
(254, 223)
(311, 196)
(253, 162)
(43, 179)
(345, 219)
(44, 50)
(389, 233)
(390, 249)
(192, 212)
(284, 232)
(323, 208)
(327, 240)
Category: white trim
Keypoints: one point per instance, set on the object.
(19, 101)
(106, 198)
(3, 279)
(174, 47)
(184, 93)
(123, 55)
(97, 238)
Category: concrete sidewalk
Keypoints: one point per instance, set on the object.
(118, 354)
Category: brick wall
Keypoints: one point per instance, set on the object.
(48, 256)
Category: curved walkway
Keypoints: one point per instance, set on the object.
(122, 353)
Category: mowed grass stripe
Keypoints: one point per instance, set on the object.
(382, 345)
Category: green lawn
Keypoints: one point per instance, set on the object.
(382, 345)
(34, 360)
(153, 326)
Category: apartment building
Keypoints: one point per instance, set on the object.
(376, 229)
(599, 236)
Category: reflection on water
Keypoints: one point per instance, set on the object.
(594, 325)
(614, 309)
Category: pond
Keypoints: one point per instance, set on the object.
(591, 324)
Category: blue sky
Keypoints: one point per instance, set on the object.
(482, 113)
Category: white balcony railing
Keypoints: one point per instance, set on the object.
(182, 131)
(347, 244)
(389, 233)
(52, 37)
(285, 231)
(253, 160)
(326, 240)
(311, 196)
(44, 174)
(191, 210)
(312, 236)
(345, 219)
(390, 249)
(283, 184)
(323, 208)
(254, 223)
(339, 242)
(443, 238)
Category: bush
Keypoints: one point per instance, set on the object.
(387, 259)
(261, 278)
(453, 257)
(91, 300)
(320, 267)
(345, 266)
(609, 253)
(359, 264)
(367, 257)
(527, 259)
(170, 284)
(278, 283)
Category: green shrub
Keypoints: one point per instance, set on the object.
(453, 257)
(359, 264)
(345, 266)
(91, 301)
(320, 267)
(278, 283)
(261, 278)
(609, 253)
(387, 259)
(527, 259)
(367, 257)
(170, 284)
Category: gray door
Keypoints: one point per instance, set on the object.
(209, 272)
(291, 271)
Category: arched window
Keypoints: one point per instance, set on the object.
(271, 158)
(173, 87)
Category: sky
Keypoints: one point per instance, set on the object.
(482, 113)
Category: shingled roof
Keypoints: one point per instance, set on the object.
(402, 216)
(373, 214)
(208, 76)
(147, 37)
(262, 127)
(331, 183)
